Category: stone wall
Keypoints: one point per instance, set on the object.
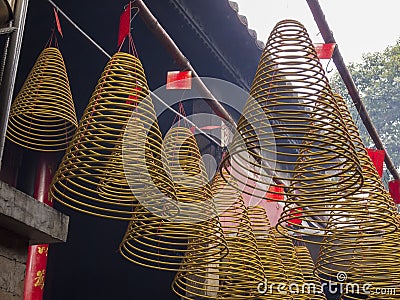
(13, 253)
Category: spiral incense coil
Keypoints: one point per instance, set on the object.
(378, 207)
(307, 268)
(236, 276)
(161, 243)
(42, 116)
(292, 266)
(367, 212)
(292, 90)
(93, 156)
(269, 254)
(356, 260)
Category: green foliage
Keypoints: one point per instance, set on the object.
(377, 78)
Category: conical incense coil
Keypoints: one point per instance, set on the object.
(292, 266)
(379, 212)
(42, 116)
(292, 90)
(357, 261)
(312, 285)
(270, 256)
(95, 145)
(161, 242)
(236, 276)
(368, 211)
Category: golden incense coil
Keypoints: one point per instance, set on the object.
(270, 256)
(362, 243)
(161, 242)
(292, 266)
(359, 261)
(236, 276)
(42, 116)
(291, 89)
(312, 286)
(94, 154)
(368, 212)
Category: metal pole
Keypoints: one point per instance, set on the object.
(327, 35)
(10, 69)
(155, 27)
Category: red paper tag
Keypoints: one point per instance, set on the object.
(377, 157)
(325, 51)
(275, 193)
(134, 96)
(179, 80)
(124, 24)
(394, 189)
(297, 213)
(57, 22)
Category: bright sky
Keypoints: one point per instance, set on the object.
(359, 26)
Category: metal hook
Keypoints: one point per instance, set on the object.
(326, 69)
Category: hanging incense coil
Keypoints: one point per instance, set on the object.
(236, 276)
(161, 243)
(42, 116)
(292, 90)
(291, 264)
(367, 212)
(313, 286)
(362, 244)
(316, 159)
(356, 260)
(269, 254)
(375, 213)
(94, 155)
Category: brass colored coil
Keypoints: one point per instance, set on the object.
(368, 211)
(292, 266)
(363, 244)
(236, 276)
(270, 256)
(314, 153)
(314, 287)
(364, 262)
(161, 243)
(93, 157)
(42, 116)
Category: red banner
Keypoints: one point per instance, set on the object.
(377, 157)
(394, 189)
(325, 51)
(179, 80)
(124, 24)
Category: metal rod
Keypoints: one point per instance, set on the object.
(155, 27)
(327, 35)
(79, 29)
(10, 69)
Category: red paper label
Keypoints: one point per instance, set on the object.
(124, 24)
(377, 157)
(275, 193)
(394, 189)
(325, 51)
(57, 22)
(179, 80)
